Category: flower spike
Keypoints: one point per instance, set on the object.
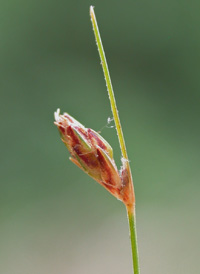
(90, 152)
(93, 154)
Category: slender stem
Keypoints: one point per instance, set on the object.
(109, 84)
(130, 207)
(133, 236)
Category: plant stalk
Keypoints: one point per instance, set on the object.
(108, 84)
(130, 208)
(133, 237)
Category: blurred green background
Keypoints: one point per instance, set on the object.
(53, 217)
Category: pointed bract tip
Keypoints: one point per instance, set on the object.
(57, 114)
(91, 11)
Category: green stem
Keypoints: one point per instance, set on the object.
(109, 84)
(130, 208)
(133, 236)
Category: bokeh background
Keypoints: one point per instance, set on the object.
(53, 217)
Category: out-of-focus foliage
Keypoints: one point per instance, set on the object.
(54, 219)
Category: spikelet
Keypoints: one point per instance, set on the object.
(92, 153)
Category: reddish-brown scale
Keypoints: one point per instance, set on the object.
(124, 177)
(82, 131)
(68, 117)
(62, 129)
(105, 168)
(87, 157)
(72, 135)
(91, 135)
(110, 188)
(127, 199)
(126, 191)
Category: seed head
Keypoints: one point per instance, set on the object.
(92, 153)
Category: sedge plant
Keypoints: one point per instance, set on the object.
(93, 154)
